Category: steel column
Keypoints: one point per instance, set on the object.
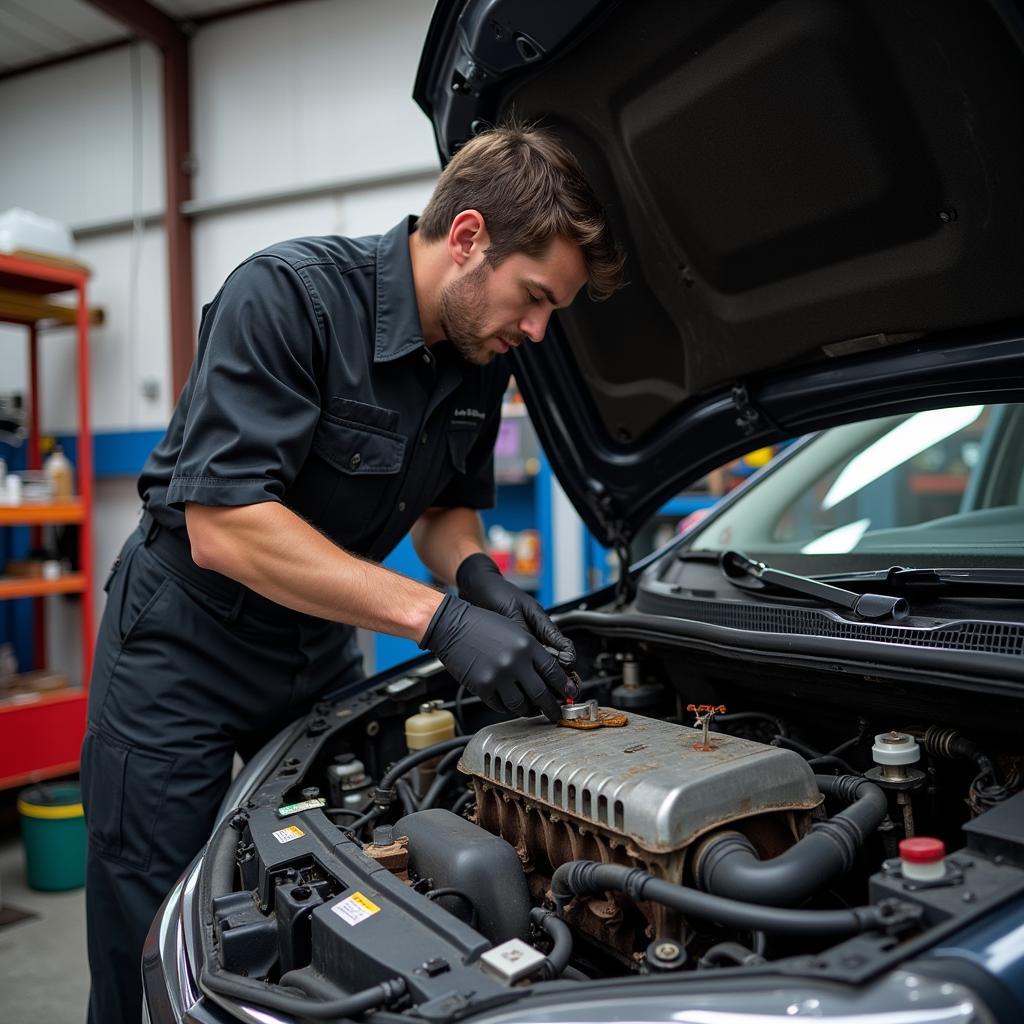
(178, 159)
(156, 27)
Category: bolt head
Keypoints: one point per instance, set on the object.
(666, 951)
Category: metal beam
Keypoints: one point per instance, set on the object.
(152, 25)
(145, 20)
(178, 162)
(62, 58)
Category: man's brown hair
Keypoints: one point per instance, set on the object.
(530, 190)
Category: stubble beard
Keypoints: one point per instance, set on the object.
(462, 316)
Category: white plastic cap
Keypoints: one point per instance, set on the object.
(512, 960)
(895, 748)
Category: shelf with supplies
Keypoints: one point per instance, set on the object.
(28, 586)
(46, 536)
(63, 513)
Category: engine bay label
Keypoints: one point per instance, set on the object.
(355, 908)
(286, 835)
(302, 805)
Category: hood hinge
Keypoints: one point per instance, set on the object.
(749, 418)
(625, 586)
(618, 534)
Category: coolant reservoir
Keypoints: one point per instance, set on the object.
(430, 726)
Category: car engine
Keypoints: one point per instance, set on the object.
(682, 818)
(641, 796)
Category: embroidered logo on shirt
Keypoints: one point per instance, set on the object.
(468, 414)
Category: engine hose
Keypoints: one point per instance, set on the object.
(727, 863)
(406, 797)
(950, 744)
(588, 878)
(385, 793)
(809, 753)
(560, 935)
(271, 997)
(730, 953)
(463, 801)
(443, 775)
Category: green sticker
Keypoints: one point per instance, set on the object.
(302, 805)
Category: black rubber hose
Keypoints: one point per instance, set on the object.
(727, 863)
(809, 753)
(444, 775)
(410, 761)
(271, 997)
(588, 878)
(749, 716)
(463, 801)
(560, 934)
(406, 797)
(831, 761)
(730, 953)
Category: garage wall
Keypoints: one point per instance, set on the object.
(302, 113)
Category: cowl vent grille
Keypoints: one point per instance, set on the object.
(962, 635)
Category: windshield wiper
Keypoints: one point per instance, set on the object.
(745, 572)
(973, 582)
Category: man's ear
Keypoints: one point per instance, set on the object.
(467, 237)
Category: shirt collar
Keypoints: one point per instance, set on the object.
(398, 317)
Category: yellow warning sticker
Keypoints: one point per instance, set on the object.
(286, 835)
(355, 908)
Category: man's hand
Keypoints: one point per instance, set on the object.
(480, 583)
(497, 659)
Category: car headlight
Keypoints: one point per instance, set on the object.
(901, 997)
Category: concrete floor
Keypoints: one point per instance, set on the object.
(44, 976)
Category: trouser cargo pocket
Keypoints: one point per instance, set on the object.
(123, 792)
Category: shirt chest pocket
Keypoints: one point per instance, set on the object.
(357, 449)
(365, 461)
(359, 439)
(461, 438)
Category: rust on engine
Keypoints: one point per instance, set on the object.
(607, 718)
(544, 838)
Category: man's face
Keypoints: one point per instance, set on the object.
(487, 311)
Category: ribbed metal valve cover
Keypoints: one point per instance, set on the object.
(645, 780)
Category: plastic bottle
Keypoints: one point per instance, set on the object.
(60, 473)
(430, 726)
(13, 489)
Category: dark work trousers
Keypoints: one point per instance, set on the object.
(189, 668)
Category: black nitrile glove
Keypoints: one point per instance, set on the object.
(480, 582)
(496, 658)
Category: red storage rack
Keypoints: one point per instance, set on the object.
(40, 735)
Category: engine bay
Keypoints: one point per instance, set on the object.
(411, 850)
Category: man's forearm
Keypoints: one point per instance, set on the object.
(443, 537)
(271, 550)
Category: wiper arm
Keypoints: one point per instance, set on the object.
(745, 572)
(975, 582)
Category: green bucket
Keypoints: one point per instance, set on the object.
(53, 831)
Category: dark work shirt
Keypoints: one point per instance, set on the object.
(312, 386)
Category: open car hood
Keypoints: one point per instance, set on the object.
(820, 202)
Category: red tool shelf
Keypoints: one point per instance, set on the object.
(41, 733)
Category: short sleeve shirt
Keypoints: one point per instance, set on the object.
(312, 386)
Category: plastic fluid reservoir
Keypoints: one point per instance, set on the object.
(348, 783)
(432, 725)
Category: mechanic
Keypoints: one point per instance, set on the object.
(345, 392)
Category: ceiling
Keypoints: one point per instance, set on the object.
(34, 31)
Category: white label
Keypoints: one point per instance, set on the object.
(355, 908)
(303, 805)
(286, 835)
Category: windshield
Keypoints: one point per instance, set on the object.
(944, 481)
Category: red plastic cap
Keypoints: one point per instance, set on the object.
(922, 850)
